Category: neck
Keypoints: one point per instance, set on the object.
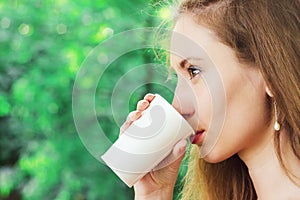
(269, 178)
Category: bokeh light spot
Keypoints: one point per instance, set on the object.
(24, 29)
(61, 29)
(5, 22)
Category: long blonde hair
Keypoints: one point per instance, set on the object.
(266, 34)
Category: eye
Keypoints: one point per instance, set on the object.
(193, 71)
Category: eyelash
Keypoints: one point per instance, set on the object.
(191, 70)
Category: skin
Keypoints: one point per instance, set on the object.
(247, 129)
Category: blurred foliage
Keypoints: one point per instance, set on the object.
(42, 45)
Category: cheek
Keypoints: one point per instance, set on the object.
(245, 121)
(203, 105)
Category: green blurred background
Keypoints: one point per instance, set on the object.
(42, 45)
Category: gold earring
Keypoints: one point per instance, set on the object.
(276, 124)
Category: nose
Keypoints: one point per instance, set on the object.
(183, 101)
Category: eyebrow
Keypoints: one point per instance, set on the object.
(184, 62)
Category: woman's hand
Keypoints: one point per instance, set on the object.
(159, 183)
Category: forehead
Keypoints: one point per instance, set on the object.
(203, 36)
(190, 39)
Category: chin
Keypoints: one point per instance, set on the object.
(216, 157)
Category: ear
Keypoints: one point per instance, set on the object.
(268, 91)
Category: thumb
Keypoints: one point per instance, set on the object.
(167, 170)
(174, 159)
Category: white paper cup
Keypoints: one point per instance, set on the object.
(147, 141)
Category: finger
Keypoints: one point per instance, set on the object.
(142, 105)
(132, 116)
(149, 97)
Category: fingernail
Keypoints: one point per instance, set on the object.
(144, 103)
(182, 145)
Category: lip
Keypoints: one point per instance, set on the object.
(197, 138)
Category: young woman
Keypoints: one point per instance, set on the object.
(255, 46)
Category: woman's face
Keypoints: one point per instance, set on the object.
(223, 100)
